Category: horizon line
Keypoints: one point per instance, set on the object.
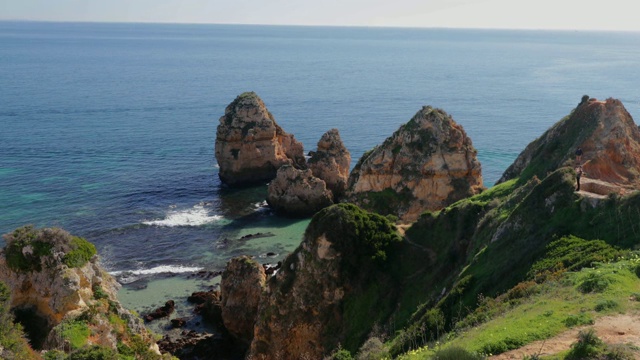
(319, 25)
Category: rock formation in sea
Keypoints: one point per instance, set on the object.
(302, 309)
(607, 135)
(330, 162)
(297, 192)
(427, 164)
(58, 287)
(243, 282)
(251, 146)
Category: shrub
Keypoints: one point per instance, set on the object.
(456, 353)
(594, 282)
(605, 305)
(81, 252)
(372, 349)
(93, 353)
(24, 249)
(578, 320)
(588, 346)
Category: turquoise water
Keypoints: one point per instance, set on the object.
(108, 130)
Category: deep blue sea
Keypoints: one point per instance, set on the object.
(108, 130)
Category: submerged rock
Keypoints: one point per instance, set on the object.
(331, 162)
(607, 135)
(427, 164)
(250, 145)
(297, 192)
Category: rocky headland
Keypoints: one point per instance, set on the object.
(65, 300)
(427, 164)
(352, 288)
(250, 146)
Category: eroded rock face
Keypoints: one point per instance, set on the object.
(250, 146)
(243, 282)
(57, 277)
(607, 135)
(427, 164)
(302, 311)
(330, 162)
(298, 192)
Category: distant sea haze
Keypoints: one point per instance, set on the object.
(108, 130)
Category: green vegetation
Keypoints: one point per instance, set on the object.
(356, 232)
(24, 249)
(12, 338)
(81, 252)
(28, 246)
(76, 332)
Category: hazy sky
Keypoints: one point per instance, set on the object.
(515, 14)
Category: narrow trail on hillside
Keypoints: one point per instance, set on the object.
(615, 329)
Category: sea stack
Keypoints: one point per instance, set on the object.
(606, 134)
(251, 146)
(297, 192)
(330, 162)
(427, 164)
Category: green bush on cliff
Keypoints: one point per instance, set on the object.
(27, 245)
(355, 232)
(81, 252)
(24, 249)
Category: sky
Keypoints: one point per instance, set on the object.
(499, 14)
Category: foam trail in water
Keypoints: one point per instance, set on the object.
(129, 276)
(195, 216)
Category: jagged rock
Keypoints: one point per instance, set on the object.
(241, 287)
(250, 145)
(427, 164)
(331, 162)
(607, 135)
(298, 192)
(56, 279)
(302, 310)
(162, 311)
(178, 322)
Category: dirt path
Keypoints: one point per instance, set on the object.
(617, 329)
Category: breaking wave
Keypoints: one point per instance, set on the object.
(195, 216)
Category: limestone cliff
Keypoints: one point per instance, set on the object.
(302, 312)
(607, 135)
(243, 282)
(331, 161)
(58, 287)
(427, 164)
(250, 145)
(298, 192)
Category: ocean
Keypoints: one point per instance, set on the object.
(108, 130)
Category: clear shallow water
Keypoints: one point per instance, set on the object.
(107, 130)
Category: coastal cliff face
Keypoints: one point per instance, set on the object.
(243, 282)
(331, 161)
(297, 192)
(57, 284)
(427, 164)
(302, 312)
(607, 135)
(250, 145)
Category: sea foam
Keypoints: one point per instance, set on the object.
(129, 276)
(195, 216)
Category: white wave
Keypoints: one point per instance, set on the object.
(129, 276)
(261, 206)
(195, 216)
